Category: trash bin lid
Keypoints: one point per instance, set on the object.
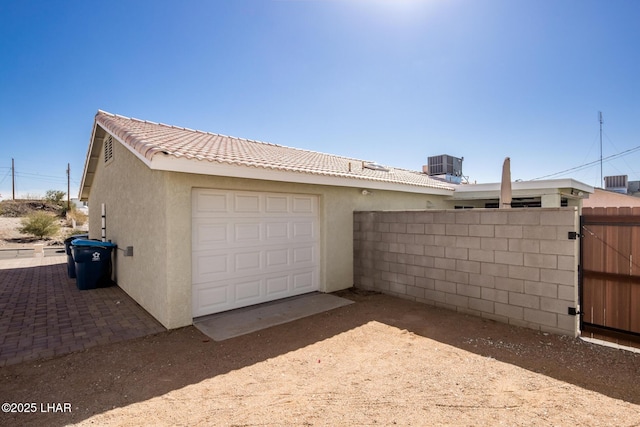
(95, 243)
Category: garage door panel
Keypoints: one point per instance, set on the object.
(210, 202)
(247, 203)
(276, 204)
(251, 247)
(304, 204)
(304, 281)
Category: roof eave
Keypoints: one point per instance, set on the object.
(205, 167)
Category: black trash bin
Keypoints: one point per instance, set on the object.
(92, 262)
(71, 268)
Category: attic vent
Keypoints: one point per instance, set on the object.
(376, 167)
(108, 149)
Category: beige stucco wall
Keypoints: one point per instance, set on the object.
(135, 201)
(151, 211)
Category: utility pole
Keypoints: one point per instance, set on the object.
(68, 187)
(13, 180)
(601, 178)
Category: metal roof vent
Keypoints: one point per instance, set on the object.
(375, 167)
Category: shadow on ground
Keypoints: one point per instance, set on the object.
(116, 375)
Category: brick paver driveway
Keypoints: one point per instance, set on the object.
(42, 312)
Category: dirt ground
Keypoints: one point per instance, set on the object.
(380, 361)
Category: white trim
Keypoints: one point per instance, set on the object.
(205, 167)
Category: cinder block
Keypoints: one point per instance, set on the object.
(397, 227)
(414, 270)
(558, 217)
(415, 228)
(495, 318)
(457, 300)
(445, 241)
(405, 238)
(382, 227)
(561, 277)
(554, 305)
(423, 260)
(397, 247)
(398, 288)
(510, 258)
(496, 270)
(508, 231)
(415, 291)
(493, 217)
(468, 290)
(568, 324)
(468, 266)
(494, 244)
(405, 279)
(389, 276)
(540, 317)
(477, 230)
(541, 260)
(444, 263)
(457, 276)
(423, 217)
(446, 287)
(434, 251)
(540, 232)
(524, 300)
(559, 247)
(434, 296)
(481, 305)
(525, 273)
(567, 262)
(467, 217)
(395, 267)
(468, 242)
(425, 283)
(568, 293)
(482, 280)
(542, 289)
(435, 273)
(406, 259)
(414, 249)
(524, 217)
(457, 229)
(424, 239)
(509, 284)
(435, 229)
(389, 237)
(524, 245)
(495, 295)
(456, 253)
(480, 255)
(509, 311)
(444, 217)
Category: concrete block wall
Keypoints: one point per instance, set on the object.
(516, 266)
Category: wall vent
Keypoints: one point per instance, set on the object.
(108, 149)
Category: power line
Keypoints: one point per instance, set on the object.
(576, 168)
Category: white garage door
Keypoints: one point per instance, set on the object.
(251, 247)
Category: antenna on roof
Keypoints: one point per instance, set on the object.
(600, 118)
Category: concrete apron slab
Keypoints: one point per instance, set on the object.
(222, 326)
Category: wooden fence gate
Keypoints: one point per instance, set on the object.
(610, 274)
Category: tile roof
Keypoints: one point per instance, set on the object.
(149, 139)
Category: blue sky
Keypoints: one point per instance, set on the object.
(388, 81)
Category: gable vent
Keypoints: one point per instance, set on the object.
(108, 149)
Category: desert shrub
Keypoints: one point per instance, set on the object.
(40, 224)
(79, 217)
(55, 196)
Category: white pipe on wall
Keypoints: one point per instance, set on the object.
(104, 223)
